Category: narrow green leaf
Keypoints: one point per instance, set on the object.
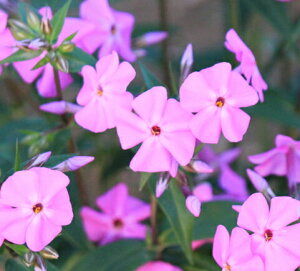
(21, 56)
(17, 157)
(19, 249)
(78, 58)
(172, 203)
(41, 63)
(149, 78)
(15, 265)
(145, 176)
(70, 37)
(58, 20)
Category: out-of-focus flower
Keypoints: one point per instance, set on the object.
(158, 266)
(120, 217)
(6, 39)
(284, 159)
(45, 84)
(234, 253)
(104, 93)
(204, 192)
(216, 95)
(151, 38)
(60, 107)
(74, 163)
(113, 28)
(34, 215)
(248, 66)
(232, 183)
(193, 204)
(273, 240)
(186, 62)
(161, 125)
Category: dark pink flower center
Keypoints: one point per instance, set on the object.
(268, 235)
(118, 223)
(37, 208)
(220, 102)
(113, 29)
(155, 130)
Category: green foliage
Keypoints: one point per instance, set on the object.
(21, 55)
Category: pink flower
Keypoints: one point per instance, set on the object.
(45, 84)
(104, 93)
(113, 28)
(284, 159)
(158, 266)
(234, 253)
(216, 95)
(248, 66)
(120, 217)
(273, 240)
(34, 215)
(6, 39)
(161, 125)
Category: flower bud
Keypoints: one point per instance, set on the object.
(29, 258)
(186, 63)
(18, 25)
(193, 204)
(67, 47)
(46, 26)
(60, 107)
(151, 38)
(33, 20)
(40, 264)
(62, 64)
(74, 163)
(38, 160)
(162, 184)
(49, 253)
(19, 35)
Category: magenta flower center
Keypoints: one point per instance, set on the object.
(37, 208)
(268, 235)
(113, 29)
(118, 223)
(155, 130)
(220, 102)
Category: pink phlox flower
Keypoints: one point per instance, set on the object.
(104, 94)
(273, 240)
(232, 183)
(74, 163)
(45, 84)
(248, 66)
(233, 253)
(34, 215)
(161, 125)
(283, 160)
(158, 266)
(216, 95)
(120, 217)
(6, 39)
(60, 107)
(113, 28)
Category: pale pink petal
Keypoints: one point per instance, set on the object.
(136, 209)
(96, 11)
(150, 105)
(152, 156)
(234, 123)
(221, 245)
(293, 166)
(206, 125)
(254, 263)
(193, 204)
(254, 213)
(134, 230)
(40, 233)
(201, 167)
(229, 156)
(60, 107)
(158, 266)
(203, 192)
(283, 141)
(258, 182)
(107, 66)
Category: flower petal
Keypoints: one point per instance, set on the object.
(221, 245)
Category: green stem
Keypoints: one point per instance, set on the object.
(153, 220)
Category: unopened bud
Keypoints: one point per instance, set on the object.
(46, 26)
(186, 62)
(40, 264)
(62, 64)
(193, 204)
(162, 184)
(49, 253)
(38, 160)
(29, 258)
(60, 107)
(33, 20)
(19, 35)
(74, 163)
(67, 47)
(16, 24)
(151, 38)
(31, 45)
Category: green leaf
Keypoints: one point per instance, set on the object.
(70, 37)
(172, 203)
(58, 21)
(17, 158)
(274, 12)
(78, 58)
(21, 56)
(213, 214)
(15, 265)
(19, 249)
(145, 176)
(149, 78)
(45, 60)
(122, 255)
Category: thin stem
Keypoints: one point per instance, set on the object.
(163, 9)
(72, 146)
(153, 220)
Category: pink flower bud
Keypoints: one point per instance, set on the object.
(151, 38)
(187, 61)
(193, 204)
(60, 107)
(74, 163)
(38, 160)
(162, 184)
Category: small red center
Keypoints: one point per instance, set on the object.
(118, 223)
(37, 208)
(113, 29)
(268, 235)
(227, 267)
(220, 102)
(155, 130)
